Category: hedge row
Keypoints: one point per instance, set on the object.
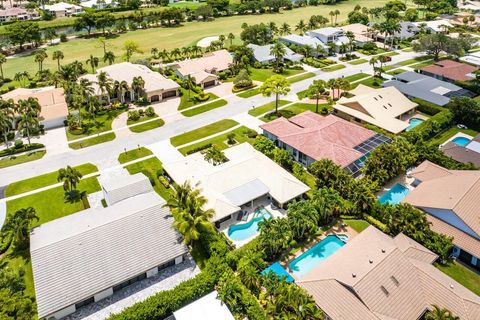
(427, 107)
(429, 129)
(201, 148)
(23, 148)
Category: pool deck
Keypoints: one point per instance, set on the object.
(335, 230)
(416, 114)
(402, 179)
(457, 135)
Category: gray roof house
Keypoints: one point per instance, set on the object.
(416, 85)
(297, 40)
(407, 30)
(116, 190)
(329, 35)
(87, 256)
(262, 54)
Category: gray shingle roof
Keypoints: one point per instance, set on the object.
(262, 53)
(79, 255)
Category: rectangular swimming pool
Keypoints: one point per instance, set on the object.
(395, 194)
(308, 260)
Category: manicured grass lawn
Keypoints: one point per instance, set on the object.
(220, 141)
(264, 74)
(423, 64)
(249, 93)
(357, 225)
(14, 160)
(203, 132)
(291, 111)
(205, 108)
(266, 108)
(390, 54)
(462, 274)
(373, 82)
(147, 126)
(396, 71)
(133, 154)
(142, 119)
(185, 102)
(358, 76)
(409, 49)
(414, 60)
(43, 180)
(92, 141)
(334, 68)
(103, 122)
(301, 77)
(170, 38)
(447, 134)
(358, 61)
(151, 168)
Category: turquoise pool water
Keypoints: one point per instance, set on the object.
(413, 122)
(243, 231)
(279, 271)
(461, 141)
(316, 254)
(394, 195)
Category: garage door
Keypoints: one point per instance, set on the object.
(155, 98)
(209, 84)
(169, 94)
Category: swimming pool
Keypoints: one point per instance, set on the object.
(461, 141)
(277, 269)
(308, 260)
(413, 122)
(243, 231)
(395, 194)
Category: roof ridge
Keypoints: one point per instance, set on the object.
(466, 192)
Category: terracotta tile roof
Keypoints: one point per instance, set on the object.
(386, 280)
(451, 70)
(428, 170)
(461, 154)
(321, 137)
(211, 62)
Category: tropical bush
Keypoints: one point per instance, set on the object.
(150, 112)
(242, 80)
(133, 115)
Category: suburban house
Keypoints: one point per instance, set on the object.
(330, 35)
(305, 41)
(208, 307)
(310, 137)
(96, 4)
(17, 14)
(54, 109)
(374, 276)
(247, 178)
(449, 70)
(63, 9)
(469, 5)
(386, 108)
(360, 31)
(407, 30)
(87, 256)
(434, 26)
(470, 153)
(458, 17)
(472, 58)
(416, 85)
(262, 54)
(117, 190)
(204, 70)
(156, 88)
(451, 200)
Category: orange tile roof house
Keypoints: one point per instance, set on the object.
(449, 70)
(311, 137)
(451, 199)
(54, 109)
(377, 277)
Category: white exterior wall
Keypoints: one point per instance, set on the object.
(102, 295)
(179, 260)
(62, 313)
(53, 123)
(152, 272)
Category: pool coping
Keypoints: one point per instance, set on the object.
(457, 135)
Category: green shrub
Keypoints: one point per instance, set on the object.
(18, 144)
(23, 148)
(133, 115)
(380, 225)
(427, 107)
(201, 148)
(163, 181)
(63, 37)
(150, 112)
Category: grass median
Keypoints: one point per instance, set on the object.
(14, 160)
(204, 108)
(92, 141)
(203, 132)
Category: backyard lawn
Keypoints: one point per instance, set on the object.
(43, 180)
(462, 274)
(204, 108)
(374, 82)
(357, 225)
(14, 160)
(133, 154)
(92, 141)
(447, 134)
(151, 168)
(396, 71)
(220, 141)
(266, 108)
(203, 132)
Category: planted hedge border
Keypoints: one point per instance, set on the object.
(427, 107)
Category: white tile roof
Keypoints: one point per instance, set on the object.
(79, 255)
(125, 186)
(61, 6)
(209, 307)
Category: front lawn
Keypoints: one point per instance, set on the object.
(43, 180)
(204, 108)
(357, 225)
(358, 61)
(203, 132)
(301, 77)
(396, 71)
(185, 102)
(466, 277)
(292, 110)
(357, 76)
(220, 141)
(263, 74)
(14, 160)
(157, 123)
(334, 68)
(134, 154)
(266, 108)
(414, 60)
(249, 93)
(152, 168)
(374, 82)
(92, 141)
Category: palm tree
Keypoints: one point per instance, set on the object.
(196, 50)
(70, 177)
(231, 37)
(104, 84)
(109, 56)
(40, 56)
(154, 52)
(276, 85)
(93, 62)
(176, 52)
(373, 61)
(92, 107)
(301, 26)
(317, 90)
(19, 226)
(120, 88)
(6, 118)
(221, 38)
(331, 14)
(86, 88)
(337, 13)
(285, 29)
(138, 84)
(185, 51)
(278, 51)
(57, 55)
(3, 60)
(273, 27)
(28, 111)
(440, 314)
(190, 216)
(21, 77)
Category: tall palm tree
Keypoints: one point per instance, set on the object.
(92, 107)
(317, 90)
(70, 177)
(440, 314)
(40, 56)
(337, 13)
(301, 26)
(231, 37)
(19, 226)
(285, 29)
(109, 57)
(104, 84)
(120, 88)
(3, 60)
(93, 62)
(28, 111)
(86, 88)
(6, 118)
(154, 52)
(278, 51)
(138, 84)
(331, 14)
(58, 55)
(276, 85)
